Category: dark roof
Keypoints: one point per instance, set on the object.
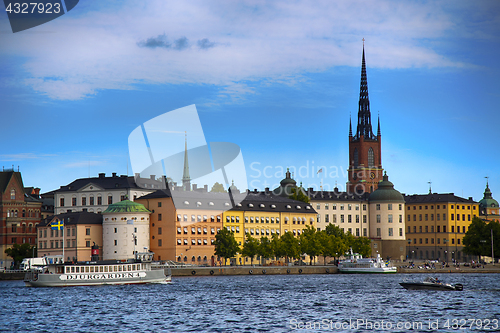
(113, 182)
(267, 202)
(435, 197)
(5, 177)
(157, 195)
(74, 218)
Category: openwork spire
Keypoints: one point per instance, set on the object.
(364, 115)
(350, 126)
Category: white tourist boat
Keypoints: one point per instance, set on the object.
(357, 264)
(131, 271)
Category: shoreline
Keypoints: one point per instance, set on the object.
(289, 270)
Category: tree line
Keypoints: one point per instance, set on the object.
(331, 242)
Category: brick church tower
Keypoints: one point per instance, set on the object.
(365, 160)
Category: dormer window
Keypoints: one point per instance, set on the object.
(186, 202)
(250, 205)
(308, 207)
(298, 207)
(210, 203)
(273, 206)
(262, 205)
(288, 207)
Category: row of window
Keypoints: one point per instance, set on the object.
(438, 241)
(201, 230)
(438, 229)
(440, 207)
(193, 241)
(91, 201)
(430, 255)
(425, 217)
(389, 218)
(14, 240)
(390, 232)
(389, 206)
(193, 258)
(342, 218)
(15, 213)
(194, 218)
(104, 269)
(29, 229)
(341, 206)
(57, 244)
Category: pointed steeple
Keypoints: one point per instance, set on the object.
(364, 115)
(350, 126)
(378, 130)
(186, 180)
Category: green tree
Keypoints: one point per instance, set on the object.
(291, 246)
(362, 246)
(334, 230)
(19, 252)
(250, 247)
(225, 244)
(265, 248)
(326, 241)
(340, 246)
(309, 243)
(218, 188)
(298, 193)
(277, 246)
(477, 240)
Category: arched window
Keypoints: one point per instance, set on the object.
(12, 194)
(356, 158)
(370, 157)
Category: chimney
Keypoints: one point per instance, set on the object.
(470, 198)
(37, 191)
(137, 175)
(102, 175)
(114, 174)
(266, 190)
(195, 187)
(152, 177)
(205, 187)
(254, 190)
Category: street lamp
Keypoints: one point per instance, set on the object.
(446, 252)
(409, 245)
(483, 241)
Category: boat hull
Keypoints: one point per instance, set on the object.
(373, 270)
(430, 286)
(33, 279)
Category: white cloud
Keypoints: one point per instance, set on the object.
(246, 41)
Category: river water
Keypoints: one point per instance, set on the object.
(279, 303)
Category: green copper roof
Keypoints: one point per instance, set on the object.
(386, 192)
(488, 200)
(126, 206)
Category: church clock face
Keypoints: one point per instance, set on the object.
(372, 175)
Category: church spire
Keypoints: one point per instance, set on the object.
(186, 180)
(350, 126)
(378, 129)
(364, 115)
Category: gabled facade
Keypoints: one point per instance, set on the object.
(19, 213)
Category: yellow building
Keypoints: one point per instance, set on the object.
(81, 230)
(436, 224)
(262, 214)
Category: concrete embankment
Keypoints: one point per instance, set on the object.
(451, 269)
(251, 270)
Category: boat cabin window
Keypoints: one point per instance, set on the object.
(92, 269)
(67, 269)
(101, 269)
(120, 268)
(77, 269)
(72, 269)
(115, 268)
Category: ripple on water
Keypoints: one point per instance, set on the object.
(242, 303)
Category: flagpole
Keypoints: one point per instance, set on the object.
(64, 235)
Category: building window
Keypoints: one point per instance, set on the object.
(91, 201)
(342, 218)
(159, 203)
(110, 199)
(444, 228)
(364, 232)
(13, 194)
(61, 202)
(84, 201)
(371, 162)
(87, 231)
(389, 218)
(378, 206)
(378, 232)
(378, 218)
(420, 217)
(159, 217)
(327, 218)
(349, 206)
(99, 200)
(159, 230)
(326, 206)
(349, 219)
(391, 232)
(116, 230)
(389, 206)
(73, 201)
(357, 218)
(364, 218)
(159, 242)
(400, 232)
(87, 243)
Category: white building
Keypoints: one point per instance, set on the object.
(95, 194)
(125, 230)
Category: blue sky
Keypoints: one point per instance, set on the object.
(279, 79)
